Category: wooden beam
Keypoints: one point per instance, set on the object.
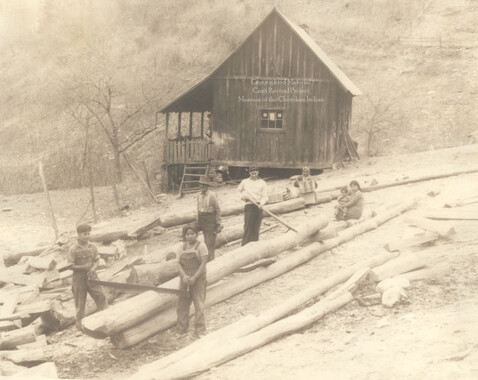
(179, 124)
(400, 244)
(190, 124)
(202, 124)
(127, 314)
(167, 318)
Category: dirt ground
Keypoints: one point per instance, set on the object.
(432, 336)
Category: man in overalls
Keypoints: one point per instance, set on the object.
(84, 257)
(208, 215)
(192, 259)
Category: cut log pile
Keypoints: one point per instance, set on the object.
(392, 273)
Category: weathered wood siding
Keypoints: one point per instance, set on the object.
(310, 128)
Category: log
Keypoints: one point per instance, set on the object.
(253, 323)
(108, 251)
(155, 274)
(39, 342)
(112, 233)
(11, 339)
(9, 305)
(443, 229)
(404, 263)
(433, 271)
(203, 361)
(44, 371)
(62, 314)
(39, 354)
(14, 317)
(12, 258)
(398, 245)
(23, 279)
(35, 308)
(42, 263)
(452, 214)
(461, 202)
(217, 294)
(137, 309)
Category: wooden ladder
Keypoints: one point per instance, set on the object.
(191, 175)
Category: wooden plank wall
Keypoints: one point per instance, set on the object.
(309, 129)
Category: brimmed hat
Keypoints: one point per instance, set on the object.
(253, 168)
(204, 180)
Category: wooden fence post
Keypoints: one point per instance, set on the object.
(50, 206)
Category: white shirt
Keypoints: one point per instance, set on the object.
(257, 189)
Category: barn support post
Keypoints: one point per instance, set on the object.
(202, 124)
(190, 124)
(166, 139)
(179, 124)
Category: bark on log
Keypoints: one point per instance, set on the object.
(237, 347)
(253, 323)
(11, 339)
(398, 245)
(404, 263)
(140, 308)
(443, 229)
(217, 294)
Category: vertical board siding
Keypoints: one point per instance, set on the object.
(310, 130)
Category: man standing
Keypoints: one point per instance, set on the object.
(208, 215)
(253, 190)
(84, 259)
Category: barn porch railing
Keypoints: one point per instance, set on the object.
(185, 151)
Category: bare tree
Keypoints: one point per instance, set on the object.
(123, 113)
(377, 113)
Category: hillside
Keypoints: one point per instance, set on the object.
(152, 51)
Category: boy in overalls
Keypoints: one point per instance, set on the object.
(84, 259)
(192, 259)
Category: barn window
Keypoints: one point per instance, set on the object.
(271, 119)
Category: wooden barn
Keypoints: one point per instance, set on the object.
(278, 100)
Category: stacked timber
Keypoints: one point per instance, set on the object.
(260, 329)
(134, 229)
(122, 316)
(126, 331)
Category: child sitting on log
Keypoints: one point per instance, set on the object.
(192, 258)
(340, 210)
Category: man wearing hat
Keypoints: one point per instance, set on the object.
(253, 190)
(208, 215)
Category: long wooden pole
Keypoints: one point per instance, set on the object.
(251, 199)
(217, 294)
(124, 315)
(47, 194)
(139, 177)
(253, 323)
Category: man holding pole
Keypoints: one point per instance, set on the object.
(254, 192)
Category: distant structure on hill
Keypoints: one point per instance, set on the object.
(277, 101)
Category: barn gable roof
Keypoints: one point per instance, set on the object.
(199, 97)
